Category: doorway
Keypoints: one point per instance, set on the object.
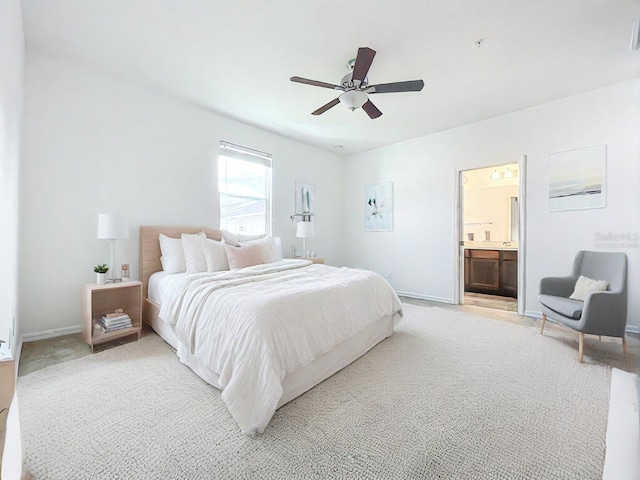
(490, 237)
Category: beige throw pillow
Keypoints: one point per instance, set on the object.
(240, 257)
(585, 286)
(268, 249)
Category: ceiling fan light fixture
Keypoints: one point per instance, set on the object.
(356, 88)
(353, 99)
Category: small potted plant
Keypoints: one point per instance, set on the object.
(101, 273)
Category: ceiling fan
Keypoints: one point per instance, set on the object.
(356, 88)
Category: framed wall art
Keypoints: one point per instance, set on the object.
(378, 207)
(305, 198)
(577, 179)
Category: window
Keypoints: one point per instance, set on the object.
(244, 183)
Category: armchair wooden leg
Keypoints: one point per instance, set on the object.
(624, 346)
(581, 347)
(544, 320)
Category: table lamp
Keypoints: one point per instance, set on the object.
(112, 226)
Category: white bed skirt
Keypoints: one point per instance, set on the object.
(299, 381)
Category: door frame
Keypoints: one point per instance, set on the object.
(458, 297)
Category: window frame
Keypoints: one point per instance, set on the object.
(244, 154)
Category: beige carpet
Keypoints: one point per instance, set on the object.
(450, 395)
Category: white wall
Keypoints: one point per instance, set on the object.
(420, 253)
(94, 144)
(11, 78)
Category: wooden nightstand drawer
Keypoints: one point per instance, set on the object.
(316, 260)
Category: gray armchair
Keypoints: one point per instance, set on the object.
(602, 313)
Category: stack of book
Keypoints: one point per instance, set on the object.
(113, 321)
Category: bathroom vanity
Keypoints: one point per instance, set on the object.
(492, 270)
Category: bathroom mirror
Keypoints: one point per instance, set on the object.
(514, 226)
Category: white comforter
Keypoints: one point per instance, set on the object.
(254, 325)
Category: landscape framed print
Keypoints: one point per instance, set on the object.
(577, 179)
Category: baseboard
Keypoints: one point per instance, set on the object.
(633, 329)
(56, 332)
(425, 297)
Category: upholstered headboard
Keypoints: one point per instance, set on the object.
(150, 248)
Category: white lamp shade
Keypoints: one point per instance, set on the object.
(353, 99)
(112, 225)
(306, 230)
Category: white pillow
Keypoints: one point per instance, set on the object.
(230, 238)
(278, 246)
(172, 258)
(193, 246)
(586, 285)
(235, 239)
(215, 256)
(244, 237)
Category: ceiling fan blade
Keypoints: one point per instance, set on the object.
(363, 63)
(408, 86)
(371, 110)
(316, 83)
(326, 107)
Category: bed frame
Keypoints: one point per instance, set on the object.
(295, 383)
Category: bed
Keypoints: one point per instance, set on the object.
(264, 334)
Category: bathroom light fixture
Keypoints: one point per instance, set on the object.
(508, 173)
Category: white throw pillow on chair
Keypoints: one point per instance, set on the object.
(585, 286)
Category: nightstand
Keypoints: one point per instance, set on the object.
(316, 260)
(99, 300)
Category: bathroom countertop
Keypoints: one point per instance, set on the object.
(491, 245)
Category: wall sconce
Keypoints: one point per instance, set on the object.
(305, 230)
(304, 217)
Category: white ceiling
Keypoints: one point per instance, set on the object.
(236, 57)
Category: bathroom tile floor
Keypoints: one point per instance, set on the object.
(496, 302)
